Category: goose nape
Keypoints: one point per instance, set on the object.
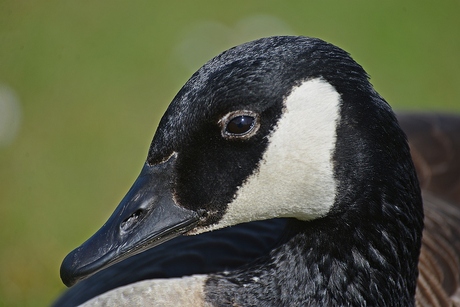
(278, 176)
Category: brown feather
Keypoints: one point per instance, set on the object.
(435, 148)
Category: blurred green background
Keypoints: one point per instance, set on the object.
(83, 85)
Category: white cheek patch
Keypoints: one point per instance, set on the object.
(295, 178)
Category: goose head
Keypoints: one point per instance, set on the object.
(277, 127)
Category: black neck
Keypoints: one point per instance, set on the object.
(334, 261)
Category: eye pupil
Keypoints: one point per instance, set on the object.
(240, 124)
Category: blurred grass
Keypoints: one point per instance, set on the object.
(94, 77)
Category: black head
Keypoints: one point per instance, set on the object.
(278, 127)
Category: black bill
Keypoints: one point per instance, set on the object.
(146, 217)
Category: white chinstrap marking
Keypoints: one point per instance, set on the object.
(295, 178)
(185, 291)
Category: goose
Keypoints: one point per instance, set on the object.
(278, 176)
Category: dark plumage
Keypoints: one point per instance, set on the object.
(353, 221)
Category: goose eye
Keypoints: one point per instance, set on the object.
(240, 125)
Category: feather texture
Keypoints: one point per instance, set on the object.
(435, 149)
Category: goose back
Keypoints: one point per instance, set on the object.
(435, 147)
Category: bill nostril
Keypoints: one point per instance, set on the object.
(131, 220)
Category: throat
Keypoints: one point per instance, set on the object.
(326, 263)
